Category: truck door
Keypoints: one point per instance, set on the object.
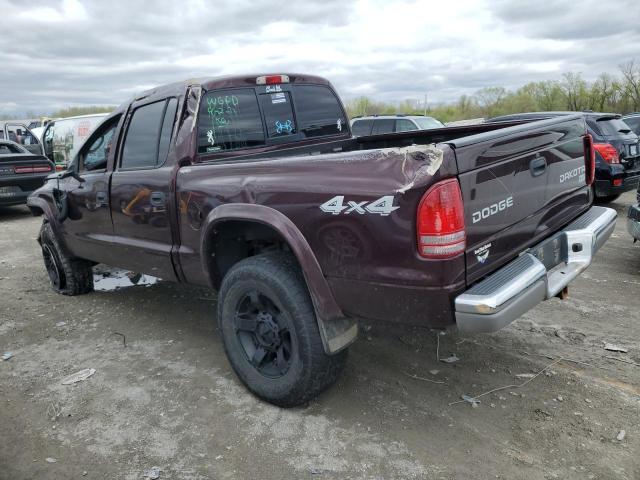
(87, 227)
(141, 190)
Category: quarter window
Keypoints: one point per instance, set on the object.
(404, 125)
(383, 126)
(167, 129)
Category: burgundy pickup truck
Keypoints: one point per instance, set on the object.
(255, 187)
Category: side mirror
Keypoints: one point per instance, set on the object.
(71, 173)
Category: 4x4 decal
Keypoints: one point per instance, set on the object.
(382, 206)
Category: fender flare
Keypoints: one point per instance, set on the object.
(336, 330)
(51, 217)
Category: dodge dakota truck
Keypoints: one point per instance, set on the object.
(255, 187)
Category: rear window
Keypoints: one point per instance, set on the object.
(427, 122)
(233, 119)
(278, 114)
(613, 126)
(319, 111)
(229, 119)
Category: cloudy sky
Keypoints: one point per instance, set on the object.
(68, 52)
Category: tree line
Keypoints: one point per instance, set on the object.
(62, 113)
(618, 93)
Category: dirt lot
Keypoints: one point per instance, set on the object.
(169, 398)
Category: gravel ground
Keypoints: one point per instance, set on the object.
(164, 395)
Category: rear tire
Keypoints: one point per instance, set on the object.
(67, 275)
(270, 331)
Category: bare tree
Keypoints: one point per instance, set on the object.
(631, 77)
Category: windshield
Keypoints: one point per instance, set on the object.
(426, 123)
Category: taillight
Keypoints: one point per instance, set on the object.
(272, 79)
(589, 159)
(60, 168)
(440, 222)
(38, 169)
(608, 152)
(617, 182)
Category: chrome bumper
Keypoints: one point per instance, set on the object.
(532, 278)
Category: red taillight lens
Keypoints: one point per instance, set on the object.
(60, 168)
(589, 159)
(617, 182)
(608, 152)
(38, 169)
(440, 222)
(272, 79)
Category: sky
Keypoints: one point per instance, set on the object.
(61, 53)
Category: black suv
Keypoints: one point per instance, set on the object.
(616, 145)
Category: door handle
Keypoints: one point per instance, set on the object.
(537, 166)
(157, 199)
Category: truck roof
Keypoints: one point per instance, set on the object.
(225, 81)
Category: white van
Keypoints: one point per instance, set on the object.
(63, 137)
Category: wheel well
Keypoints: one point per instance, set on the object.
(235, 240)
(36, 211)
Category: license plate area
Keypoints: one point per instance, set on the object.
(553, 251)
(9, 191)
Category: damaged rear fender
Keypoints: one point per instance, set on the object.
(336, 330)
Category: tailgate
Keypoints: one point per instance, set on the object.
(519, 185)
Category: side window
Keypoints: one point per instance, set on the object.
(278, 114)
(141, 143)
(634, 123)
(361, 127)
(167, 129)
(20, 134)
(95, 155)
(319, 111)
(229, 120)
(384, 125)
(404, 125)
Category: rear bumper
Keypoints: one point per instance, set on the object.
(605, 188)
(537, 275)
(23, 186)
(633, 221)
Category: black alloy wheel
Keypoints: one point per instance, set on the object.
(264, 333)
